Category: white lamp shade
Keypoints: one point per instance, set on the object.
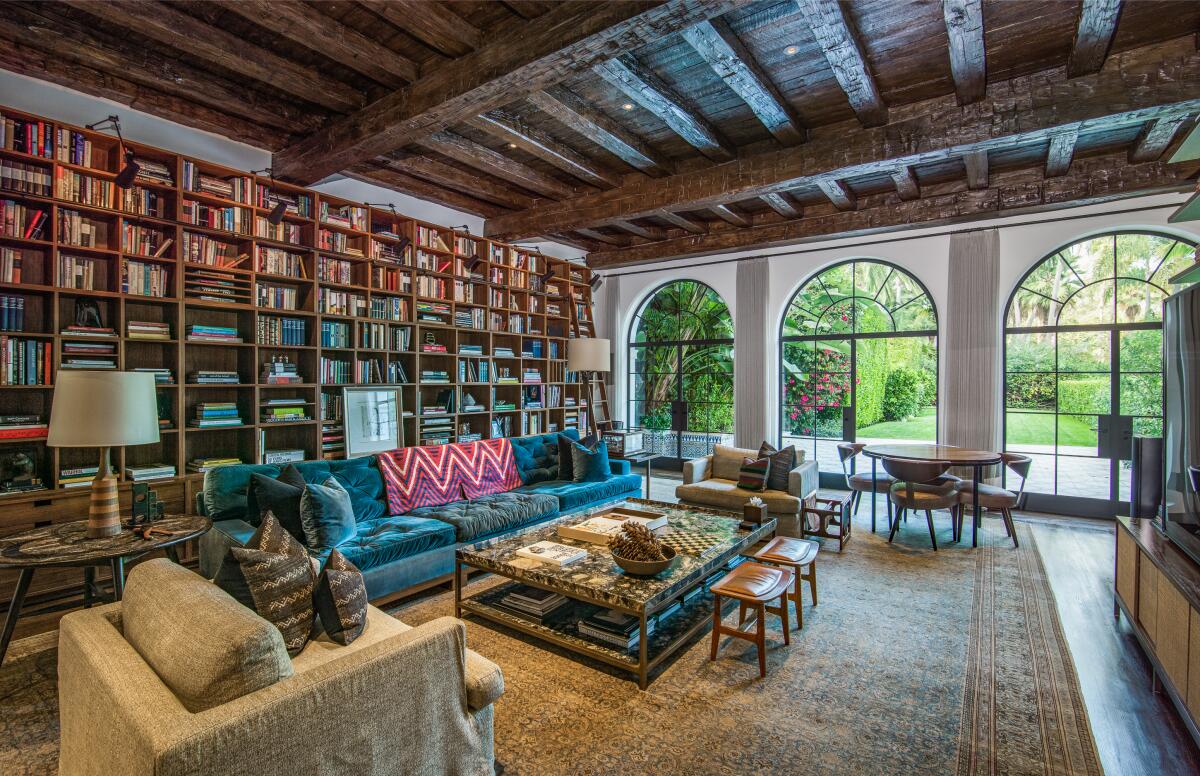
(103, 409)
(588, 354)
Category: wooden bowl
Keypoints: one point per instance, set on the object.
(645, 568)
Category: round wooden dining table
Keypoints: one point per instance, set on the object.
(957, 456)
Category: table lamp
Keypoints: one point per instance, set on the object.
(104, 410)
(588, 356)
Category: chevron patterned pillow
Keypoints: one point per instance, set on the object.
(438, 474)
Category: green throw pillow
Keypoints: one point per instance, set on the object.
(753, 474)
(327, 515)
(590, 464)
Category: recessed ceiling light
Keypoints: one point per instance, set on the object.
(627, 106)
(790, 50)
(512, 145)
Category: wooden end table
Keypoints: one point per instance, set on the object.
(65, 545)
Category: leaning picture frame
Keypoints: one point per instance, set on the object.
(372, 420)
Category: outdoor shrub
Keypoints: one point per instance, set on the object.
(902, 396)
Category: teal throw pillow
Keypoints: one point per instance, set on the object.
(590, 463)
(327, 515)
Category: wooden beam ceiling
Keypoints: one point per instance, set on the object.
(838, 193)
(652, 93)
(431, 23)
(681, 221)
(828, 23)
(569, 38)
(782, 204)
(1136, 86)
(964, 26)
(976, 162)
(645, 232)
(1062, 150)
(729, 58)
(1096, 179)
(1154, 138)
(447, 175)
(492, 162)
(372, 172)
(730, 216)
(515, 131)
(906, 183)
(569, 110)
(1093, 36)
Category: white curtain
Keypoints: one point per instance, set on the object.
(750, 393)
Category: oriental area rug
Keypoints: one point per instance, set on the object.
(914, 662)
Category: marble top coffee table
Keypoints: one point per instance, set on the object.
(713, 543)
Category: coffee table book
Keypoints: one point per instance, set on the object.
(552, 553)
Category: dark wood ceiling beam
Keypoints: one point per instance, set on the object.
(782, 204)
(513, 130)
(1097, 25)
(485, 159)
(599, 236)
(906, 183)
(1092, 180)
(525, 8)
(1134, 87)
(174, 28)
(729, 58)
(845, 56)
(1154, 138)
(569, 110)
(968, 65)
(431, 23)
(480, 186)
(1062, 150)
(645, 232)
(406, 184)
(576, 241)
(303, 24)
(645, 88)
(681, 221)
(838, 193)
(730, 216)
(529, 57)
(976, 163)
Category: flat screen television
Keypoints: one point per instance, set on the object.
(1181, 432)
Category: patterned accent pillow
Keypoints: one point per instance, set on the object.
(340, 599)
(753, 475)
(782, 463)
(273, 576)
(432, 476)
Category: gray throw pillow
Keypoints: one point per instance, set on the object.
(782, 462)
(327, 515)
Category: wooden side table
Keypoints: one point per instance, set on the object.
(65, 545)
(835, 515)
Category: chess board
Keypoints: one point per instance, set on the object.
(692, 542)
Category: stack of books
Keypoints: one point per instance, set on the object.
(280, 372)
(22, 427)
(201, 333)
(432, 347)
(470, 350)
(88, 331)
(615, 628)
(503, 352)
(284, 411)
(12, 310)
(280, 457)
(148, 330)
(150, 471)
(434, 376)
(203, 465)
(216, 414)
(214, 377)
(75, 476)
(532, 602)
(89, 355)
(529, 375)
(161, 376)
(155, 172)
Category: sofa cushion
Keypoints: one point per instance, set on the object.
(340, 600)
(380, 627)
(386, 539)
(205, 646)
(589, 463)
(782, 462)
(725, 494)
(491, 514)
(727, 461)
(278, 495)
(572, 495)
(362, 480)
(753, 474)
(537, 456)
(327, 515)
(439, 474)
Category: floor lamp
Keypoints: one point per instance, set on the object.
(589, 356)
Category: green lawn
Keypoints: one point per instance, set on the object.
(1023, 429)
(922, 427)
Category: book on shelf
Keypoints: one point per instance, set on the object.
(281, 457)
(76, 476)
(203, 249)
(299, 205)
(25, 178)
(143, 279)
(534, 602)
(26, 222)
(147, 330)
(278, 261)
(203, 465)
(335, 334)
(552, 553)
(28, 136)
(154, 171)
(281, 371)
(22, 427)
(197, 332)
(233, 187)
(162, 375)
(150, 471)
(214, 377)
(277, 297)
(614, 628)
(12, 312)
(273, 330)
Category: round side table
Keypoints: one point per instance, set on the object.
(65, 545)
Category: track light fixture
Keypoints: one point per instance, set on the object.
(596, 282)
(276, 214)
(131, 168)
(464, 228)
(473, 263)
(389, 205)
(547, 275)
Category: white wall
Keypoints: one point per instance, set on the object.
(72, 107)
(924, 252)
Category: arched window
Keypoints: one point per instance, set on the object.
(1083, 364)
(858, 360)
(681, 370)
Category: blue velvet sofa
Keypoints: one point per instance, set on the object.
(398, 552)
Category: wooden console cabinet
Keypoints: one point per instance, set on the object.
(1158, 589)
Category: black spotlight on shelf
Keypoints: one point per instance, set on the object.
(131, 168)
(276, 215)
(389, 205)
(464, 228)
(596, 282)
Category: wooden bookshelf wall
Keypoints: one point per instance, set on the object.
(349, 280)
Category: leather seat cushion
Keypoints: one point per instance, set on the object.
(386, 539)
(572, 495)
(862, 481)
(725, 494)
(754, 582)
(784, 549)
(491, 514)
(924, 496)
(990, 496)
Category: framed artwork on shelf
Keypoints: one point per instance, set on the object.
(372, 420)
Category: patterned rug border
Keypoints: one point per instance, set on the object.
(1068, 744)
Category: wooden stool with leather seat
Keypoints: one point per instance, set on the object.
(754, 586)
(796, 554)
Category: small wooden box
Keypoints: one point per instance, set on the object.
(754, 514)
(622, 443)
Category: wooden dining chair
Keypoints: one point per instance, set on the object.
(859, 483)
(994, 497)
(920, 486)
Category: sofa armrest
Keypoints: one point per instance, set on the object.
(215, 544)
(804, 480)
(485, 681)
(200, 508)
(618, 466)
(697, 469)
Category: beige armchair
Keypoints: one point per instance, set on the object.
(711, 481)
(397, 700)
